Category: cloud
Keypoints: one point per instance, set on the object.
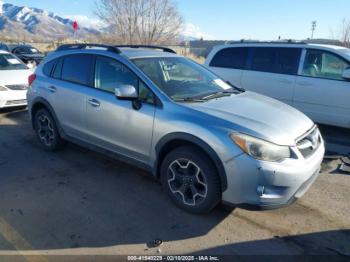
(191, 30)
(85, 21)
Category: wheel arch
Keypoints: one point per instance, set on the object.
(174, 140)
(40, 103)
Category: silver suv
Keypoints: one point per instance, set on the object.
(206, 140)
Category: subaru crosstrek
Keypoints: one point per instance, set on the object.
(206, 140)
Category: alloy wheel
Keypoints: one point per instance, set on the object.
(187, 181)
(45, 130)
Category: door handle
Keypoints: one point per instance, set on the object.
(52, 89)
(303, 83)
(94, 102)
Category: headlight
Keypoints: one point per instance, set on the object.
(261, 149)
(2, 88)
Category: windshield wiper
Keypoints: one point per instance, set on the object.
(241, 90)
(189, 99)
(218, 94)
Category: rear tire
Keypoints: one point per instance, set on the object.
(191, 180)
(46, 130)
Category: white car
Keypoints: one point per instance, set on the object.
(13, 80)
(312, 78)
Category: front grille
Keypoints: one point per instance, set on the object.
(17, 87)
(309, 142)
(16, 102)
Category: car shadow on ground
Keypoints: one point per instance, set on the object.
(78, 198)
(320, 243)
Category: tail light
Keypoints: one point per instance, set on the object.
(31, 79)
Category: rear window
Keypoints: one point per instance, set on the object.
(77, 69)
(276, 60)
(234, 57)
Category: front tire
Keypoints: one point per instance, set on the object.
(191, 180)
(46, 130)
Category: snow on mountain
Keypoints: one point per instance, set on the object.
(35, 22)
(22, 22)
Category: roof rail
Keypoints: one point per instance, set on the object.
(164, 49)
(109, 48)
(289, 41)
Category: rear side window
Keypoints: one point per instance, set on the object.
(48, 67)
(77, 69)
(264, 59)
(234, 57)
(276, 60)
(288, 60)
(58, 69)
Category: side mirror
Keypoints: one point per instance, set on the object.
(346, 74)
(126, 92)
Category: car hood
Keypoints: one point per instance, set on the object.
(259, 116)
(14, 77)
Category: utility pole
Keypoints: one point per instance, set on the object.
(313, 28)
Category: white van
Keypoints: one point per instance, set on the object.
(312, 78)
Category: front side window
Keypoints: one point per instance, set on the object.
(323, 64)
(10, 62)
(233, 57)
(181, 78)
(110, 74)
(77, 69)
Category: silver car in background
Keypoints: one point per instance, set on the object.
(207, 141)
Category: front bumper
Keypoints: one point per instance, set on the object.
(13, 98)
(268, 185)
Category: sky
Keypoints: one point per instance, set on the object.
(232, 19)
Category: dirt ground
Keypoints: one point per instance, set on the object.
(79, 202)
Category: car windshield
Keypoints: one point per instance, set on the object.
(182, 79)
(10, 62)
(346, 53)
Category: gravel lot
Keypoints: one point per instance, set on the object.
(79, 202)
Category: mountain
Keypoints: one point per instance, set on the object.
(24, 23)
(27, 22)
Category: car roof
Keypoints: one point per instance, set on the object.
(133, 53)
(15, 46)
(127, 52)
(4, 52)
(282, 44)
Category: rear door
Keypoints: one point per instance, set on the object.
(229, 63)
(71, 81)
(272, 71)
(321, 92)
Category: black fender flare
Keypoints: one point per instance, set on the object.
(41, 100)
(199, 143)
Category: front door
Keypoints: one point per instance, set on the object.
(321, 92)
(114, 124)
